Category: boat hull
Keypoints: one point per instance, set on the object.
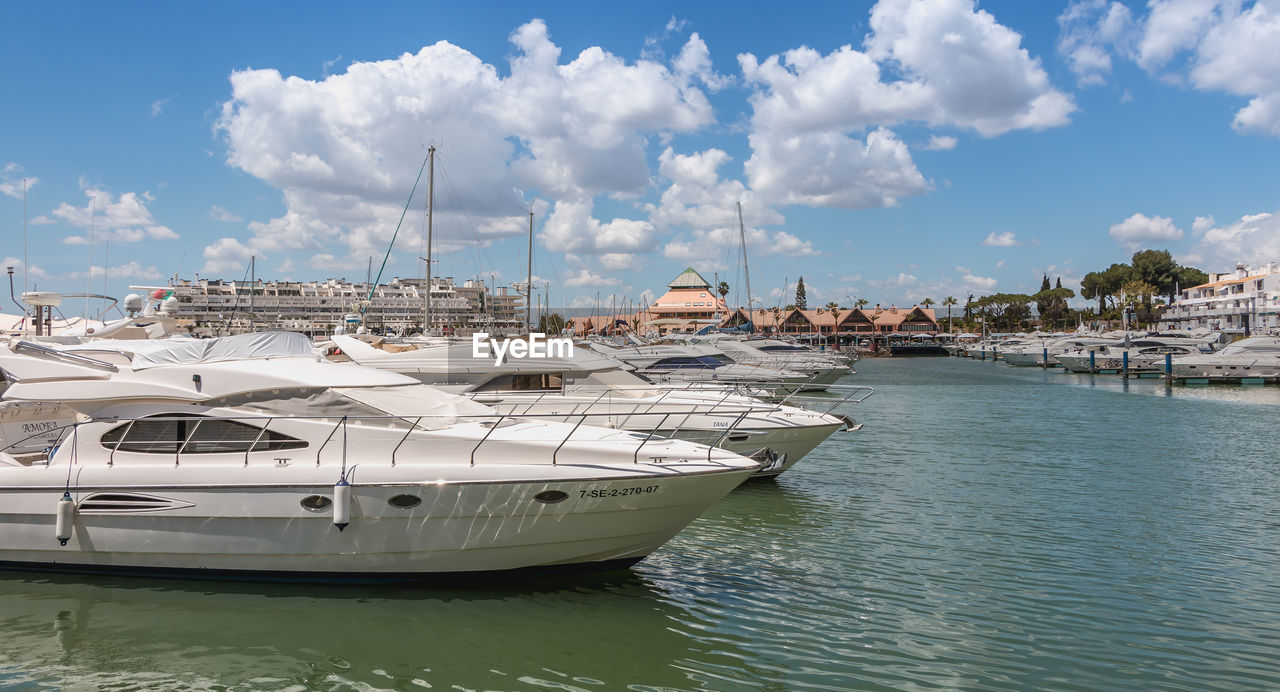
(265, 532)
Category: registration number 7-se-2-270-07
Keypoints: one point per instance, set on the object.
(618, 492)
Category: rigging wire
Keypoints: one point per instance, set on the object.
(368, 300)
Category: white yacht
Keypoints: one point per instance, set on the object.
(821, 367)
(585, 382)
(1044, 352)
(251, 457)
(28, 427)
(699, 363)
(1253, 359)
(1142, 354)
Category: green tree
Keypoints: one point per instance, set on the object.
(1190, 276)
(1137, 293)
(1044, 283)
(1156, 268)
(1005, 311)
(861, 303)
(1106, 285)
(1052, 304)
(551, 323)
(948, 302)
(802, 300)
(926, 303)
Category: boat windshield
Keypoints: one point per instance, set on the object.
(687, 363)
(408, 402)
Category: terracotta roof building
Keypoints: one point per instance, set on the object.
(691, 304)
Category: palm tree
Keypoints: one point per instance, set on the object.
(834, 308)
(862, 303)
(723, 289)
(948, 302)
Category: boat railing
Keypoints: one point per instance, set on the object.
(341, 424)
(71, 357)
(844, 394)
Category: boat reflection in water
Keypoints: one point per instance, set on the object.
(165, 634)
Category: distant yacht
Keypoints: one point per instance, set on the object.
(1252, 358)
(590, 384)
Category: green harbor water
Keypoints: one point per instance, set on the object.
(989, 528)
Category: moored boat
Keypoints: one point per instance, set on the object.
(249, 457)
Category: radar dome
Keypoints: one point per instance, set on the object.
(133, 302)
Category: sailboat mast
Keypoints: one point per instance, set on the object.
(253, 279)
(431, 208)
(528, 287)
(746, 268)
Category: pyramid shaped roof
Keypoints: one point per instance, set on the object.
(689, 279)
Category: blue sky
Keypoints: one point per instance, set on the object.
(890, 151)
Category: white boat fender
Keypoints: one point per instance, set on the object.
(342, 504)
(66, 511)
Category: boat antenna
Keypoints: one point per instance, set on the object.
(24, 239)
(392, 244)
(11, 297)
(106, 270)
(93, 217)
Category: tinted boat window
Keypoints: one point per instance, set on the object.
(167, 435)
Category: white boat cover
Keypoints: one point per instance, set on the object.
(439, 409)
(147, 354)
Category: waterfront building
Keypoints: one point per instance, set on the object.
(689, 300)
(690, 305)
(316, 308)
(1246, 299)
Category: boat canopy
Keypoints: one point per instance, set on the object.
(145, 354)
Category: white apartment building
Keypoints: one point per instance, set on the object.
(316, 308)
(1243, 299)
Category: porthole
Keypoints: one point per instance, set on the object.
(405, 501)
(315, 503)
(550, 497)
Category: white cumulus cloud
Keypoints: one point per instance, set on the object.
(12, 181)
(1253, 239)
(1210, 45)
(1090, 31)
(218, 213)
(123, 220)
(586, 277)
(1139, 230)
(1001, 239)
(941, 143)
(33, 271)
(343, 149)
(225, 255)
(819, 128)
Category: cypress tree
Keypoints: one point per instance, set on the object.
(802, 302)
